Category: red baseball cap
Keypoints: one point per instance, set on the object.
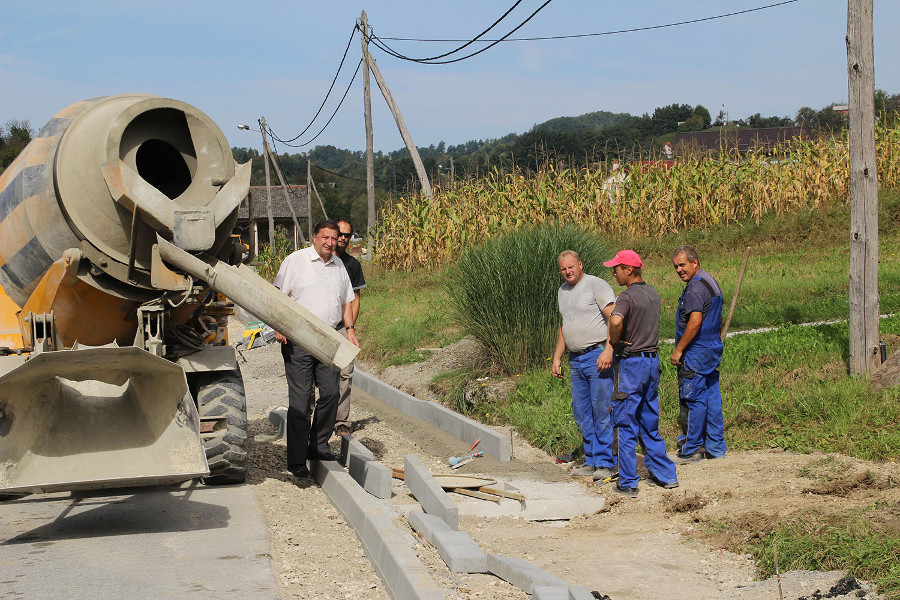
(625, 257)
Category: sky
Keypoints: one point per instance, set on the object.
(237, 61)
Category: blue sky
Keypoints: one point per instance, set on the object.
(237, 61)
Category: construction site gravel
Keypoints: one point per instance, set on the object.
(664, 544)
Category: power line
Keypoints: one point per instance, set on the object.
(337, 174)
(602, 33)
(321, 106)
(310, 141)
(476, 38)
(377, 41)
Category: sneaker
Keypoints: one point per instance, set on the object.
(628, 492)
(601, 473)
(686, 459)
(342, 430)
(583, 470)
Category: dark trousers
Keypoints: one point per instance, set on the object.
(302, 372)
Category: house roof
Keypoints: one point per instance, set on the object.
(743, 139)
(280, 209)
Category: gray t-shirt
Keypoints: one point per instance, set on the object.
(639, 306)
(583, 324)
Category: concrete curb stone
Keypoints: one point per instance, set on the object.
(431, 496)
(463, 428)
(457, 548)
(388, 549)
(522, 573)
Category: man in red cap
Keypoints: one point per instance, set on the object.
(634, 331)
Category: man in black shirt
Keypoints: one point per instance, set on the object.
(358, 282)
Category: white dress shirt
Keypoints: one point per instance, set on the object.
(321, 287)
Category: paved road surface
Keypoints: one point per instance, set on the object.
(178, 542)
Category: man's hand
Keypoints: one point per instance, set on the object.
(605, 360)
(351, 335)
(675, 359)
(280, 338)
(556, 367)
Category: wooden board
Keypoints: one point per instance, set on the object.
(462, 481)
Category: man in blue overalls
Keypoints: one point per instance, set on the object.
(698, 352)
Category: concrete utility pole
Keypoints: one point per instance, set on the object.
(864, 309)
(370, 156)
(262, 130)
(401, 125)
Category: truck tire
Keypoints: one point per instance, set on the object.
(221, 393)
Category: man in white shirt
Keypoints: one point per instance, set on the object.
(317, 280)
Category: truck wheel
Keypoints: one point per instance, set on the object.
(221, 394)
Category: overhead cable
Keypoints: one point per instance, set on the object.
(311, 140)
(380, 44)
(327, 95)
(602, 33)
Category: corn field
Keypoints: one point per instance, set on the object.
(696, 192)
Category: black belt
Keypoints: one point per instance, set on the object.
(642, 354)
(586, 350)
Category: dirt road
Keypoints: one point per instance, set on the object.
(664, 544)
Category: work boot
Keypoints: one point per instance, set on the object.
(584, 470)
(687, 459)
(628, 492)
(601, 473)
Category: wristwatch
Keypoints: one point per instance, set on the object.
(350, 327)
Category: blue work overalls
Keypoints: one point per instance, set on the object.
(636, 418)
(701, 419)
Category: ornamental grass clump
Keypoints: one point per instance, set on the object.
(503, 291)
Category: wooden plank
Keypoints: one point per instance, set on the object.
(475, 494)
(504, 493)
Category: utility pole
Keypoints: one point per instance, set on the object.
(262, 130)
(309, 222)
(370, 156)
(287, 197)
(864, 309)
(401, 125)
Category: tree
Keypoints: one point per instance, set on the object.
(14, 136)
(701, 112)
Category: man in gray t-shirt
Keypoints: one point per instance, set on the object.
(585, 303)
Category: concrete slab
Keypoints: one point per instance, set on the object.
(431, 496)
(557, 501)
(390, 551)
(142, 544)
(463, 428)
(522, 573)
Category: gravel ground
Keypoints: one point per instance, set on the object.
(652, 547)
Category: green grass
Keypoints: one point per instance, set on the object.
(847, 541)
(401, 314)
(787, 388)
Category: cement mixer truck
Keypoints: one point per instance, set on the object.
(115, 254)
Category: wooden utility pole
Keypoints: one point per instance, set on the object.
(864, 309)
(312, 182)
(370, 155)
(287, 197)
(401, 125)
(262, 130)
(309, 197)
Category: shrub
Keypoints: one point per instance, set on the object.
(271, 256)
(503, 292)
